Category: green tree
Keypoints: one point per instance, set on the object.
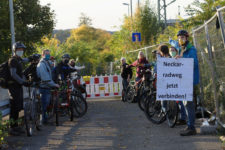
(143, 21)
(202, 11)
(148, 25)
(32, 22)
(85, 20)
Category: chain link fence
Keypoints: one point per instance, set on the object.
(209, 39)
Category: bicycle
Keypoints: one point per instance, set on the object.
(78, 101)
(52, 109)
(32, 110)
(159, 111)
(65, 105)
(144, 88)
(130, 92)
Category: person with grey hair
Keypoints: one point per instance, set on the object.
(126, 74)
(139, 63)
(44, 72)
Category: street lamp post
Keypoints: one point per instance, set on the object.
(128, 8)
(131, 12)
(12, 23)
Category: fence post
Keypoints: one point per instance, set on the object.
(146, 53)
(200, 77)
(209, 47)
(222, 26)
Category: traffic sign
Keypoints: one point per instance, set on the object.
(136, 37)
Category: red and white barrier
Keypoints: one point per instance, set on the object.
(103, 86)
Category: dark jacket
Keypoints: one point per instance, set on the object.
(16, 70)
(63, 70)
(125, 71)
(31, 70)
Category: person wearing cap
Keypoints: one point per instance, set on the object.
(44, 72)
(63, 69)
(187, 50)
(126, 74)
(15, 88)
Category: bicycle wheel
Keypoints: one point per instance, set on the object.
(38, 115)
(28, 119)
(129, 96)
(153, 110)
(71, 106)
(141, 100)
(56, 111)
(172, 113)
(80, 105)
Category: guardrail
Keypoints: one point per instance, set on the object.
(4, 101)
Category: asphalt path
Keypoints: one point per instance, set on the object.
(112, 125)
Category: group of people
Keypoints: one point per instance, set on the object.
(181, 48)
(41, 70)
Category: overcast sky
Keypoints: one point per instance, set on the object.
(105, 14)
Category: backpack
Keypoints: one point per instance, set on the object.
(4, 74)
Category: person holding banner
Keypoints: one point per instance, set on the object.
(182, 121)
(187, 50)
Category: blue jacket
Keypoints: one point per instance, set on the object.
(190, 52)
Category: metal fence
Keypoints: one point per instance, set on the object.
(104, 68)
(209, 39)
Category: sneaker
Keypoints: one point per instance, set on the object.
(13, 132)
(187, 132)
(181, 122)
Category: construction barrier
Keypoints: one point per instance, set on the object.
(102, 86)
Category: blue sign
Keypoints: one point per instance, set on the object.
(136, 37)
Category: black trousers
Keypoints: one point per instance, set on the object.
(16, 103)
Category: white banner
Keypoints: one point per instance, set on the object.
(175, 79)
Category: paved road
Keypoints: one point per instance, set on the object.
(113, 125)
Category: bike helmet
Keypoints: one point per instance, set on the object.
(66, 56)
(183, 32)
(36, 56)
(18, 45)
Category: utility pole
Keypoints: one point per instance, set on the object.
(163, 6)
(12, 24)
(138, 3)
(165, 17)
(178, 10)
(131, 12)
